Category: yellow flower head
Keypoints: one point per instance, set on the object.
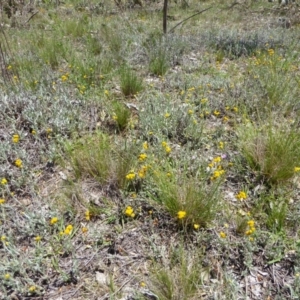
(2, 201)
(145, 145)
(168, 149)
(68, 229)
(7, 276)
(53, 220)
(142, 156)
(241, 195)
(37, 238)
(223, 235)
(64, 78)
(88, 215)
(15, 138)
(167, 115)
(129, 212)
(196, 226)
(18, 163)
(84, 230)
(297, 169)
(130, 175)
(216, 113)
(3, 181)
(32, 289)
(217, 159)
(142, 172)
(251, 223)
(181, 214)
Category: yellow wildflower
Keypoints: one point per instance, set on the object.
(225, 119)
(2, 201)
(167, 115)
(33, 132)
(221, 145)
(68, 229)
(142, 284)
(271, 52)
(145, 146)
(84, 230)
(88, 215)
(6, 276)
(130, 175)
(168, 149)
(241, 195)
(3, 238)
(53, 220)
(142, 172)
(64, 77)
(190, 111)
(217, 174)
(297, 169)
(196, 226)
(203, 101)
(106, 92)
(142, 156)
(251, 223)
(217, 159)
(164, 144)
(32, 289)
(37, 238)
(3, 181)
(181, 214)
(129, 212)
(235, 109)
(18, 163)
(223, 235)
(15, 138)
(216, 113)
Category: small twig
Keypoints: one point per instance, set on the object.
(31, 17)
(198, 13)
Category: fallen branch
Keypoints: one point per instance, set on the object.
(198, 13)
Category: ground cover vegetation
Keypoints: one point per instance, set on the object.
(141, 165)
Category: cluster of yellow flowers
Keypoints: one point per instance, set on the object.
(65, 77)
(223, 235)
(18, 163)
(68, 230)
(3, 181)
(129, 212)
(217, 169)
(130, 175)
(241, 196)
(88, 215)
(297, 169)
(2, 201)
(166, 147)
(181, 214)
(53, 221)
(251, 225)
(142, 156)
(15, 138)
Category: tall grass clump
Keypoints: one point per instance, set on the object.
(98, 157)
(181, 280)
(271, 151)
(121, 115)
(130, 82)
(189, 199)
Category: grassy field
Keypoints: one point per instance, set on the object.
(136, 165)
